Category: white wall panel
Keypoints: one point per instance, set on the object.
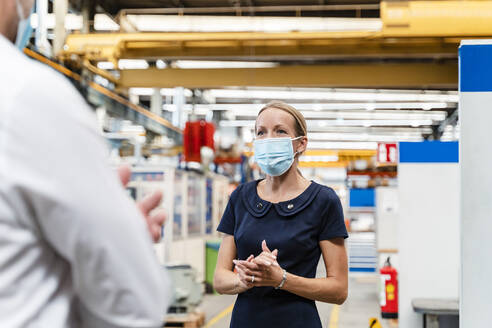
(429, 235)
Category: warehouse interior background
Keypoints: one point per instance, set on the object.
(177, 84)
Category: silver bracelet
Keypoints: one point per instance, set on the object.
(284, 278)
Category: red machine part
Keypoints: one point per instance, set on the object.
(389, 291)
(195, 136)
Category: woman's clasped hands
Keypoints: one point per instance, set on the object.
(259, 271)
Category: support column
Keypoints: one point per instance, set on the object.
(179, 100)
(61, 11)
(41, 35)
(156, 102)
(476, 182)
(88, 14)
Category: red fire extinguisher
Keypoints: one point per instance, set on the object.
(389, 291)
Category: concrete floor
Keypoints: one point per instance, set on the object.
(362, 304)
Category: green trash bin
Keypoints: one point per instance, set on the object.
(211, 253)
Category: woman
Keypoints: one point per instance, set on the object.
(297, 218)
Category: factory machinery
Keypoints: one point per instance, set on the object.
(194, 203)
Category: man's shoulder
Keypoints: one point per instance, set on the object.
(29, 85)
(19, 72)
(33, 74)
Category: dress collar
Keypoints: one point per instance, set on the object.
(259, 207)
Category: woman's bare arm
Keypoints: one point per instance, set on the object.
(225, 280)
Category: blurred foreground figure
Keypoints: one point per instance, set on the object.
(75, 251)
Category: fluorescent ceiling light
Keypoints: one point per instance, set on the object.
(314, 137)
(324, 158)
(379, 115)
(189, 64)
(105, 65)
(343, 145)
(371, 130)
(332, 95)
(368, 123)
(313, 111)
(132, 64)
(365, 115)
(189, 23)
(164, 91)
(327, 123)
(395, 131)
(102, 22)
(160, 64)
(363, 137)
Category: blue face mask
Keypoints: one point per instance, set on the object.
(274, 155)
(24, 28)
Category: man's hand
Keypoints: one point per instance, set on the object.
(155, 219)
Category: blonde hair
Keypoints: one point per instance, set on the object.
(300, 122)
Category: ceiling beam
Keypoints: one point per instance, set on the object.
(250, 8)
(401, 75)
(436, 18)
(293, 49)
(234, 45)
(409, 28)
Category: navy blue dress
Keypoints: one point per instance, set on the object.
(295, 228)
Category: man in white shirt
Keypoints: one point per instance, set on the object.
(75, 251)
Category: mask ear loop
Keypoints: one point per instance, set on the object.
(299, 137)
(20, 10)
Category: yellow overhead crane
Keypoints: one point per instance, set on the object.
(368, 75)
(410, 29)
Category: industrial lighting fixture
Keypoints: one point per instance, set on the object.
(377, 115)
(132, 64)
(372, 130)
(361, 134)
(196, 64)
(105, 65)
(310, 111)
(160, 64)
(164, 91)
(314, 136)
(327, 137)
(192, 23)
(102, 22)
(343, 145)
(334, 95)
(177, 23)
(321, 158)
(368, 123)
(360, 115)
(326, 123)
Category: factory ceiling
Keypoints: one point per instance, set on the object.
(305, 8)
